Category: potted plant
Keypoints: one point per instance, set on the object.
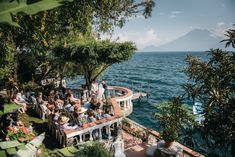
(172, 117)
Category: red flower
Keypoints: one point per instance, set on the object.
(24, 130)
(21, 139)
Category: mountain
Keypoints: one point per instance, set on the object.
(195, 40)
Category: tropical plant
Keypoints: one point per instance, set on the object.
(173, 116)
(231, 38)
(9, 7)
(212, 84)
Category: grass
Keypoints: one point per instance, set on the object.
(50, 145)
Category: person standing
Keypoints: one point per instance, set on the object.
(106, 92)
(94, 88)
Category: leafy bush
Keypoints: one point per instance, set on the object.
(94, 150)
(172, 117)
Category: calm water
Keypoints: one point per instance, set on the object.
(159, 73)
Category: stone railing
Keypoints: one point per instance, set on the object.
(66, 137)
(151, 137)
(123, 97)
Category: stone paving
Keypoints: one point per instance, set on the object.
(133, 146)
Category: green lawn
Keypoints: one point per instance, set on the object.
(39, 126)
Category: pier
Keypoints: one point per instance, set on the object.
(139, 96)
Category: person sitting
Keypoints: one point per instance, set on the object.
(63, 122)
(71, 107)
(86, 104)
(43, 106)
(51, 101)
(58, 102)
(23, 106)
(107, 113)
(98, 113)
(21, 98)
(94, 103)
(67, 105)
(91, 116)
(70, 97)
(79, 114)
(56, 114)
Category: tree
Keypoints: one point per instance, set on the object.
(213, 84)
(39, 32)
(93, 57)
(231, 38)
(173, 117)
(8, 66)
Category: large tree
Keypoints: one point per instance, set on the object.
(213, 84)
(41, 31)
(93, 57)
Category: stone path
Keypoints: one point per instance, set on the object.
(133, 146)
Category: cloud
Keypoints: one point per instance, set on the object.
(174, 13)
(177, 12)
(141, 39)
(172, 16)
(219, 29)
(220, 24)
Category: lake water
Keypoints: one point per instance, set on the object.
(160, 74)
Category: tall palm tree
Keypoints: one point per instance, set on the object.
(231, 38)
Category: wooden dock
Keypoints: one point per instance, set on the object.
(139, 95)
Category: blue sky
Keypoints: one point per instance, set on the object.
(174, 18)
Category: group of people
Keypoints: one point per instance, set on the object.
(67, 111)
(62, 105)
(100, 91)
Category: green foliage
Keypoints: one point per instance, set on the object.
(93, 57)
(30, 86)
(7, 8)
(8, 64)
(96, 149)
(172, 117)
(42, 31)
(212, 84)
(231, 38)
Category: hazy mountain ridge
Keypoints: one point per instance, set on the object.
(195, 40)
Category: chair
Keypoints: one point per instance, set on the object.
(49, 123)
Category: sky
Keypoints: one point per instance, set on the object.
(174, 18)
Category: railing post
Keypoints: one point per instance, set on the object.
(100, 134)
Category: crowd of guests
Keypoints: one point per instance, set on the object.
(69, 112)
(66, 110)
(10, 121)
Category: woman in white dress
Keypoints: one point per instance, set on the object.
(100, 92)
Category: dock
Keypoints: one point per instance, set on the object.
(139, 95)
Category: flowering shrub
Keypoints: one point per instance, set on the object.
(20, 134)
